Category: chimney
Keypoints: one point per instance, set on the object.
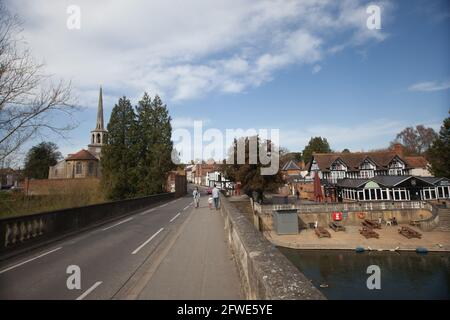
(398, 149)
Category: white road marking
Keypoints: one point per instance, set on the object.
(163, 205)
(175, 216)
(147, 241)
(89, 290)
(29, 260)
(186, 207)
(148, 211)
(118, 223)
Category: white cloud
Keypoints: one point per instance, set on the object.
(430, 86)
(184, 50)
(376, 133)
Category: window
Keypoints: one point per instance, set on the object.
(91, 168)
(98, 137)
(446, 192)
(433, 193)
(366, 174)
(338, 165)
(78, 168)
(378, 194)
(367, 165)
(372, 194)
(395, 172)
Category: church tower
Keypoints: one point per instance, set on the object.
(99, 134)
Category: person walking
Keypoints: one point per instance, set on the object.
(215, 195)
(196, 195)
(210, 202)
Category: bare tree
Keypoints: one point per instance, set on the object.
(416, 140)
(29, 100)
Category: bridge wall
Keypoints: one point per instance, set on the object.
(21, 233)
(264, 271)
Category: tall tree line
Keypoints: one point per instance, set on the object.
(137, 156)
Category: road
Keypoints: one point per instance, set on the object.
(108, 256)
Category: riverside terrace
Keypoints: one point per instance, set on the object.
(431, 220)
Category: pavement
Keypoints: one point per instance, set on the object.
(199, 265)
(167, 251)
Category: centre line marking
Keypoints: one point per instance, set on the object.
(114, 225)
(175, 216)
(148, 211)
(29, 260)
(89, 290)
(147, 241)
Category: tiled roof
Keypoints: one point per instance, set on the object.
(390, 181)
(291, 165)
(417, 162)
(352, 183)
(81, 155)
(353, 160)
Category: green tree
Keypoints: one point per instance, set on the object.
(162, 147)
(154, 145)
(250, 174)
(316, 144)
(439, 152)
(39, 158)
(145, 124)
(119, 156)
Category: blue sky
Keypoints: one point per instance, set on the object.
(305, 67)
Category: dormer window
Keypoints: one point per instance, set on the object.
(367, 165)
(338, 166)
(396, 167)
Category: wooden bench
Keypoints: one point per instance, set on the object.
(372, 224)
(368, 233)
(336, 226)
(409, 233)
(321, 232)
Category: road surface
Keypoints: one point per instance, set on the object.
(115, 258)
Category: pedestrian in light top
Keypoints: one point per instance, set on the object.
(215, 195)
(196, 195)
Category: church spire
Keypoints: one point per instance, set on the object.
(100, 112)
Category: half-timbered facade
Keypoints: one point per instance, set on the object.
(365, 165)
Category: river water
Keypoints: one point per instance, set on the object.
(403, 275)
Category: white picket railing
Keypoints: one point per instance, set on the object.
(349, 207)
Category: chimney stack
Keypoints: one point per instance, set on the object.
(398, 149)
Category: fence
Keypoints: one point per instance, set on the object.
(349, 207)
